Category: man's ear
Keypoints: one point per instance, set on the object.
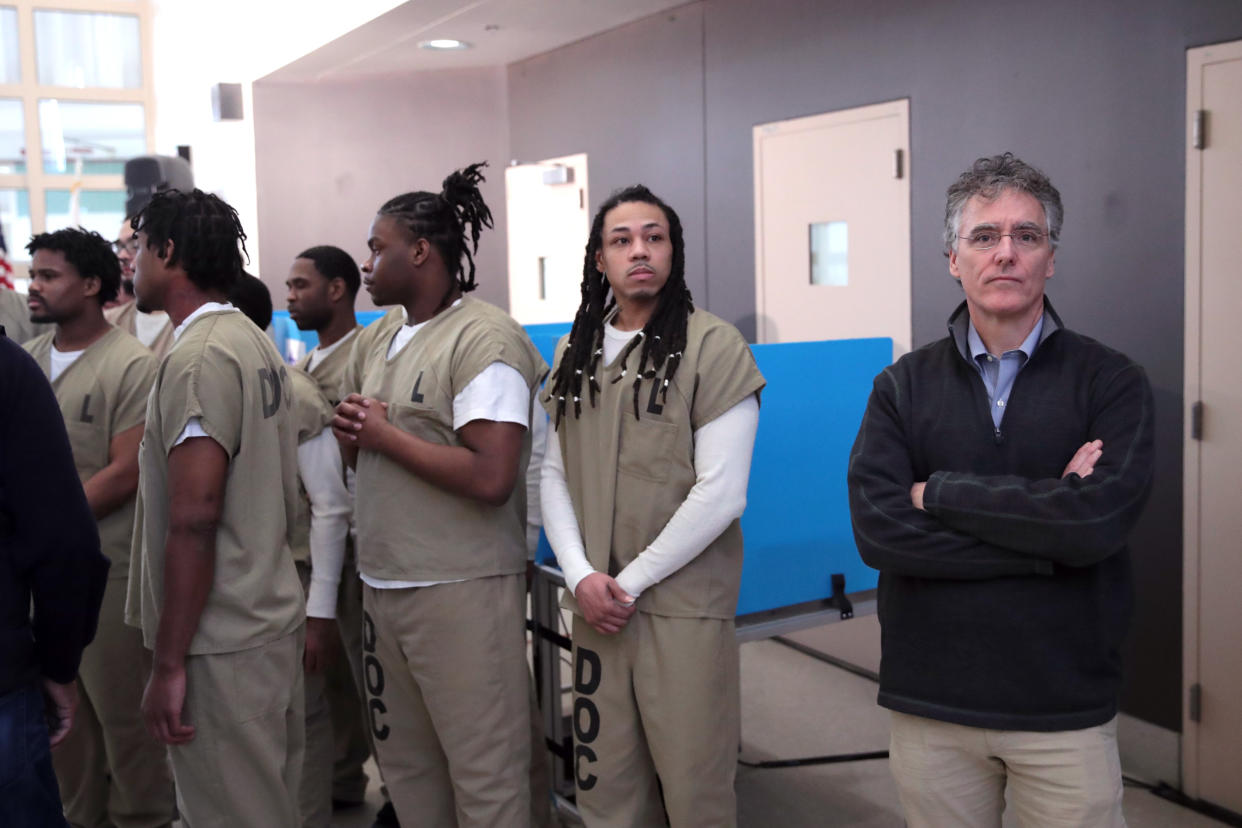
(93, 285)
(953, 265)
(419, 251)
(336, 289)
(165, 250)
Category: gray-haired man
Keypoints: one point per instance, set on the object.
(993, 482)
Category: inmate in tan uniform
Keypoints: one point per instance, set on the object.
(330, 370)
(125, 317)
(657, 703)
(445, 664)
(343, 682)
(311, 414)
(110, 769)
(244, 667)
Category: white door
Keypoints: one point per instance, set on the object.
(1212, 731)
(832, 226)
(548, 225)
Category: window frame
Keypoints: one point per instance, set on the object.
(29, 91)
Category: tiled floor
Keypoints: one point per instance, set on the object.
(796, 706)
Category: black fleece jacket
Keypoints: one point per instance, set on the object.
(1004, 604)
(49, 543)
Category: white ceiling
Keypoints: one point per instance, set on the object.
(388, 44)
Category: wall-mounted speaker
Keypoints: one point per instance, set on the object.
(226, 102)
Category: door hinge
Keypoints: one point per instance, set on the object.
(899, 163)
(1198, 129)
(1196, 420)
(1195, 702)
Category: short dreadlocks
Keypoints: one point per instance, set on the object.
(207, 237)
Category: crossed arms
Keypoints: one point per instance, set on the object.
(961, 525)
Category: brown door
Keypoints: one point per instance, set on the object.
(1212, 749)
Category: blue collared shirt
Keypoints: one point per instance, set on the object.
(999, 372)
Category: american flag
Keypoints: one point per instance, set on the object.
(6, 268)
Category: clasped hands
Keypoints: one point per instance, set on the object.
(360, 421)
(604, 604)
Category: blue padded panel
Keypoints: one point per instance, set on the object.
(797, 523)
(545, 337)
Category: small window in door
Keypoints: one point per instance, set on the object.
(830, 253)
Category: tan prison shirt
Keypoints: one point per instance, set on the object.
(362, 346)
(331, 369)
(627, 476)
(226, 372)
(125, 317)
(102, 394)
(311, 414)
(412, 530)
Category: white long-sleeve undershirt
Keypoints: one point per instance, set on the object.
(322, 473)
(722, 454)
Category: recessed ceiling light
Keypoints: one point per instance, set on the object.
(444, 45)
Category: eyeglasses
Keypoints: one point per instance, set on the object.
(131, 245)
(1025, 239)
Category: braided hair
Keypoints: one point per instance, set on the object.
(207, 236)
(663, 338)
(444, 219)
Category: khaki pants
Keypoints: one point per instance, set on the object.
(950, 774)
(449, 701)
(347, 694)
(111, 770)
(244, 766)
(315, 793)
(656, 705)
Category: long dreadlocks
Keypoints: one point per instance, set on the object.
(663, 338)
(444, 218)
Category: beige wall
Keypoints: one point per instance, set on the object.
(328, 155)
(192, 50)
